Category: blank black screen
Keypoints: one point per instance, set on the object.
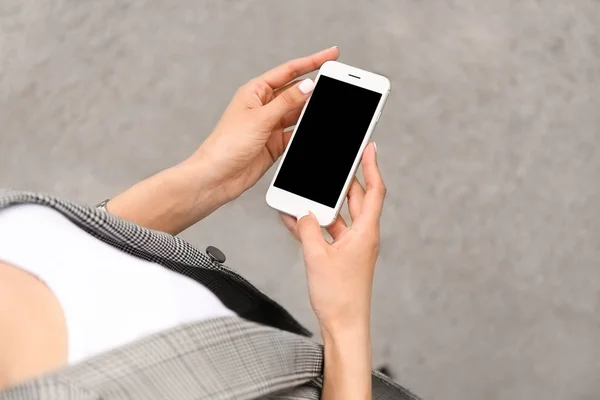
(327, 140)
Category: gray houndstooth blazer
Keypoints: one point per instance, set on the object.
(262, 354)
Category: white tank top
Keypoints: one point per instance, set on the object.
(109, 298)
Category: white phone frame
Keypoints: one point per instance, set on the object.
(298, 206)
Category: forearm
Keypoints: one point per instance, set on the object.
(347, 364)
(170, 201)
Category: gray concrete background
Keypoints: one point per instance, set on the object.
(488, 286)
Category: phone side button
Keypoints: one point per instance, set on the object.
(378, 115)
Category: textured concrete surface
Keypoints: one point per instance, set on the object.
(488, 285)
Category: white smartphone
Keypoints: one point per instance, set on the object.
(325, 149)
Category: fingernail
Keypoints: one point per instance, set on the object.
(334, 47)
(306, 86)
(375, 146)
(302, 214)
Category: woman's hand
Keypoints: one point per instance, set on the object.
(249, 138)
(340, 274)
(340, 279)
(247, 141)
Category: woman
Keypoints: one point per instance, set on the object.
(50, 312)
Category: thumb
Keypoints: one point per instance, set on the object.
(289, 100)
(309, 231)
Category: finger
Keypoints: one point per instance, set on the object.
(290, 70)
(277, 143)
(338, 228)
(290, 223)
(285, 87)
(356, 196)
(376, 190)
(310, 233)
(290, 118)
(286, 136)
(289, 100)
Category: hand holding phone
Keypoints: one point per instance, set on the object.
(245, 143)
(340, 274)
(325, 149)
(340, 281)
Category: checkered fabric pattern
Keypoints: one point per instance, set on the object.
(262, 354)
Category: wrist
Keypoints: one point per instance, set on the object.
(353, 318)
(349, 345)
(204, 192)
(169, 201)
(348, 361)
(359, 333)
